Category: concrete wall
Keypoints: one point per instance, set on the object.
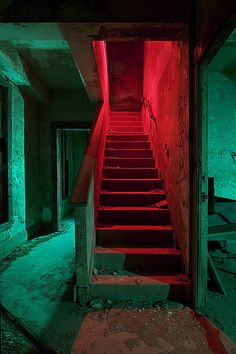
(125, 60)
(13, 233)
(32, 168)
(64, 106)
(222, 133)
(166, 87)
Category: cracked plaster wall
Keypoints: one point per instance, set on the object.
(166, 86)
(125, 61)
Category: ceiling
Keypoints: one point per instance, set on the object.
(52, 61)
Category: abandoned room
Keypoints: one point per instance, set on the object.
(118, 177)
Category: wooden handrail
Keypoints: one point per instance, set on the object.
(147, 105)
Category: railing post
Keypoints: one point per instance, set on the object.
(81, 252)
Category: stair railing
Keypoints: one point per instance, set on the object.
(146, 104)
(152, 125)
(85, 198)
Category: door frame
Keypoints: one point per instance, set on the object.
(55, 127)
(200, 174)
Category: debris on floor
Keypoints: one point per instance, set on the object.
(147, 331)
(37, 287)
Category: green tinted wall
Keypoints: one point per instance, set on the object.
(222, 133)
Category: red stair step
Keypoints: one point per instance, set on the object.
(124, 129)
(124, 114)
(138, 259)
(126, 123)
(131, 198)
(130, 235)
(128, 144)
(139, 288)
(132, 215)
(129, 162)
(126, 172)
(131, 184)
(126, 118)
(131, 137)
(128, 153)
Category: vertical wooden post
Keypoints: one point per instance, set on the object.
(211, 195)
(202, 213)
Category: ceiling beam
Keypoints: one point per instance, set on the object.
(123, 31)
(85, 60)
(18, 71)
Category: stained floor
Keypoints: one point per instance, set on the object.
(37, 287)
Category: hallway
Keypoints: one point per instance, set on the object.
(37, 287)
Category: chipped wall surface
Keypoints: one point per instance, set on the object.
(125, 60)
(166, 87)
(13, 233)
(72, 106)
(32, 168)
(222, 133)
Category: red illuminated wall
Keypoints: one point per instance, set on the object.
(125, 60)
(166, 87)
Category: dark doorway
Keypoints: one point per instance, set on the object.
(68, 148)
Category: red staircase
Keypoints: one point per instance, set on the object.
(136, 255)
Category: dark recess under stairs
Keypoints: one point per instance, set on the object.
(136, 255)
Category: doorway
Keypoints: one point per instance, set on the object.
(67, 153)
(217, 181)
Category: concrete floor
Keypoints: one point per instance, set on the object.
(37, 287)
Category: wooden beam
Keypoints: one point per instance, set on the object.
(85, 60)
(216, 229)
(214, 275)
(122, 31)
(223, 236)
(11, 65)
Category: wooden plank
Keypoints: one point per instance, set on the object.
(202, 241)
(216, 229)
(214, 275)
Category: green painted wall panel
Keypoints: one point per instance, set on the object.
(222, 133)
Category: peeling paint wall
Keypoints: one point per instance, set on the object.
(72, 106)
(13, 233)
(32, 168)
(166, 87)
(222, 133)
(125, 60)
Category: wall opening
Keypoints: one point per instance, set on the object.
(70, 146)
(217, 182)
